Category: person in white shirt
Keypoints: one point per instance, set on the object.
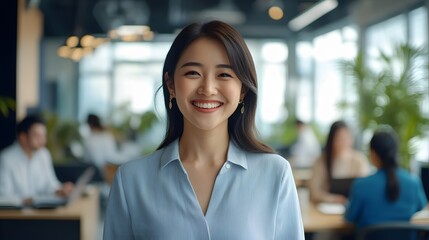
(306, 149)
(99, 146)
(26, 168)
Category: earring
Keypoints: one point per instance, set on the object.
(242, 107)
(170, 105)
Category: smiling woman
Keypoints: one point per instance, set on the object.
(211, 178)
(205, 83)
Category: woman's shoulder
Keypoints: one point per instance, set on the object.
(273, 160)
(405, 175)
(145, 163)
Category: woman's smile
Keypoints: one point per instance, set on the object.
(206, 106)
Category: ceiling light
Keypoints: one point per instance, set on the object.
(275, 12)
(225, 11)
(312, 14)
(131, 33)
(77, 47)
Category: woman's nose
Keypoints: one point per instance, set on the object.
(208, 87)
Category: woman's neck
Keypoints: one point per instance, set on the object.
(207, 147)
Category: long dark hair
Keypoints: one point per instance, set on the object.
(241, 127)
(328, 151)
(385, 145)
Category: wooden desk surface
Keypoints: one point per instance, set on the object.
(302, 176)
(316, 221)
(84, 209)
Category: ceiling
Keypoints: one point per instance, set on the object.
(65, 17)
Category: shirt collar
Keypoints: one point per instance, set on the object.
(235, 155)
(170, 153)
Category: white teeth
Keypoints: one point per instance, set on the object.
(206, 105)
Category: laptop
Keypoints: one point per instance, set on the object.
(51, 201)
(341, 186)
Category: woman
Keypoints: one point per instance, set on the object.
(338, 160)
(210, 178)
(391, 194)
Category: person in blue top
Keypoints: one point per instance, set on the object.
(210, 178)
(391, 194)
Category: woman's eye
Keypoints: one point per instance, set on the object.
(225, 75)
(192, 73)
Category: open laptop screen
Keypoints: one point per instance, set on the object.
(341, 186)
(46, 202)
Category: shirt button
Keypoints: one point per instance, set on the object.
(227, 166)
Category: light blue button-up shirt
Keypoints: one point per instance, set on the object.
(254, 197)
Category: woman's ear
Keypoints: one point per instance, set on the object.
(243, 92)
(169, 82)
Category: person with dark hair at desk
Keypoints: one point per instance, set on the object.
(306, 149)
(391, 194)
(26, 168)
(339, 160)
(99, 146)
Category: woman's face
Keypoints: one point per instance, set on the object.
(375, 160)
(206, 89)
(343, 140)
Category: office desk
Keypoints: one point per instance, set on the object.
(302, 176)
(79, 220)
(316, 221)
(421, 217)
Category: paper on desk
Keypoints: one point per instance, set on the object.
(7, 202)
(422, 214)
(331, 208)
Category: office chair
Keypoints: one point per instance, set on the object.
(395, 231)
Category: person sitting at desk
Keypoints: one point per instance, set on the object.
(99, 146)
(390, 194)
(306, 149)
(338, 160)
(26, 168)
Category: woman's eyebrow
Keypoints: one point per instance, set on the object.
(224, 66)
(196, 64)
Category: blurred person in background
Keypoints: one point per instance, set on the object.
(306, 149)
(391, 193)
(99, 146)
(338, 160)
(26, 168)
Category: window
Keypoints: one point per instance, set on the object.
(331, 88)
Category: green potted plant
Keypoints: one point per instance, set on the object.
(7, 104)
(392, 95)
(61, 133)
